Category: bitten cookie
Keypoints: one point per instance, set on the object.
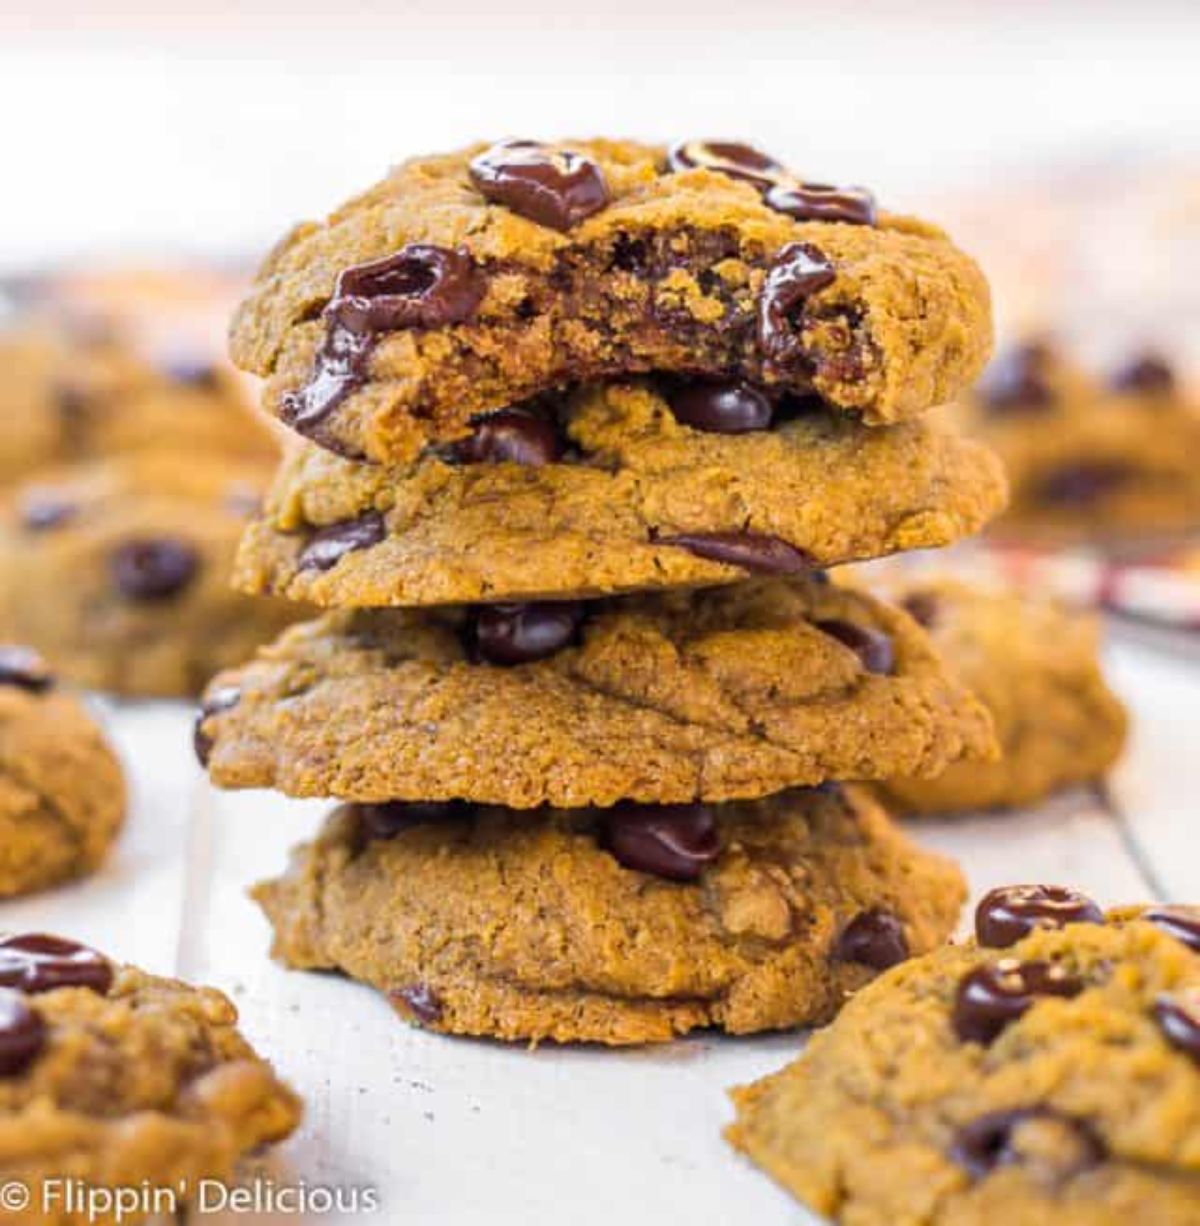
(76, 390)
(1036, 668)
(719, 694)
(62, 791)
(616, 488)
(119, 571)
(118, 1079)
(468, 282)
(1047, 1075)
(627, 925)
(1088, 458)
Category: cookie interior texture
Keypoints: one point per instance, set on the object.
(670, 275)
(484, 922)
(1036, 668)
(720, 694)
(1084, 1108)
(609, 514)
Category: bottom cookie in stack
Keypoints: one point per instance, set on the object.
(627, 925)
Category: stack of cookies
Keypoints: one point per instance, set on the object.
(582, 428)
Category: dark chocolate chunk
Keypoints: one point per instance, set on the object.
(752, 551)
(873, 938)
(674, 841)
(36, 962)
(22, 1033)
(922, 607)
(1148, 374)
(1179, 1017)
(1083, 483)
(385, 821)
(24, 668)
(421, 1001)
(799, 271)
(732, 158)
(421, 286)
(996, 994)
(153, 568)
(1183, 923)
(510, 436)
(328, 546)
(1001, 1138)
(820, 202)
(221, 699)
(43, 509)
(555, 188)
(1017, 380)
(721, 408)
(874, 648)
(508, 634)
(1007, 914)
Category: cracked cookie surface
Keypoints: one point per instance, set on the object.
(118, 1078)
(602, 518)
(717, 694)
(1050, 1081)
(119, 571)
(484, 923)
(62, 790)
(420, 304)
(1035, 667)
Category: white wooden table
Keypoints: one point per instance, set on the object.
(464, 1133)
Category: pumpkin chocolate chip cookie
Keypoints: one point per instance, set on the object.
(467, 283)
(116, 1078)
(617, 926)
(62, 791)
(1090, 458)
(1047, 1073)
(617, 487)
(719, 694)
(1036, 668)
(118, 571)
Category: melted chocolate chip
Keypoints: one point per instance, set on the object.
(42, 510)
(154, 568)
(385, 821)
(993, 996)
(873, 647)
(674, 841)
(922, 607)
(752, 551)
(1147, 374)
(1000, 1138)
(22, 1033)
(820, 202)
(873, 938)
(221, 699)
(328, 546)
(421, 286)
(1007, 914)
(799, 271)
(40, 963)
(511, 436)
(1179, 1018)
(1017, 382)
(508, 634)
(421, 1001)
(1183, 923)
(732, 158)
(721, 408)
(24, 668)
(1084, 483)
(555, 188)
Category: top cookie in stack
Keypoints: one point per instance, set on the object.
(727, 332)
(554, 383)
